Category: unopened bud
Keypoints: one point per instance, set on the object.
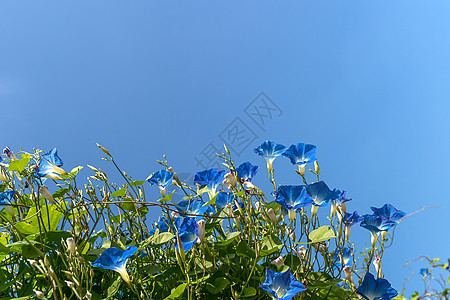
(71, 245)
(347, 273)
(181, 249)
(377, 263)
(69, 283)
(46, 262)
(44, 192)
(201, 229)
(279, 261)
(302, 251)
(301, 169)
(316, 167)
(174, 214)
(39, 294)
(88, 295)
(272, 216)
(9, 154)
(230, 181)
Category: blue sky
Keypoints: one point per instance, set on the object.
(366, 82)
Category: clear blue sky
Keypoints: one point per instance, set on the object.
(367, 82)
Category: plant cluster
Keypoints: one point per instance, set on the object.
(226, 239)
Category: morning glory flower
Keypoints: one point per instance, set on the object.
(223, 199)
(245, 172)
(270, 150)
(5, 200)
(388, 212)
(349, 221)
(376, 289)
(424, 272)
(211, 178)
(162, 178)
(300, 154)
(9, 154)
(116, 260)
(338, 201)
(188, 233)
(192, 207)
(376, 224)
(345, 260)
(321, 195)
(282, 286)
(49, 165)
(292, 198)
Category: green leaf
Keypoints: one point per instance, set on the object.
(128, 206)
(176, 293)
(61, 192)
(119, 193)
(18, 165)
(113, 287)
(219, 285)
(163, 238)
(230, 237)
(249, 292)
(242, 249)
(270, 244)
(238, 194)
(137, 182)
(167, 198)
(321, 234)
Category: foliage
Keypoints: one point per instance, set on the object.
(95, 242)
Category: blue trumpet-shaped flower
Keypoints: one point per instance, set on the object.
(376, 224)
(282, 285)
(424, 272)
(388, 212)
(162, 178)
(211, 178)
(321, 195)
(5, 200)
(349, 220)
(223, 199)
(188, 233)
(246, 171)
(301, 154)
(192, 207)
(345, 260)
(376, 289)
(49, 165)
(341, 199)
(293, 196)
(116, 260)
(270, 150)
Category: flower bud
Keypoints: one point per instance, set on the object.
(302, 251)
(201, 229)
(44, 192)
(347, 273)
(9, 153)
(279, 261)
(377, 263)
(88, 295)
(316, 167)
(272, 216)
(39, 294)
(46, 262)
(230, 180)
(71, 245)
(174, 214)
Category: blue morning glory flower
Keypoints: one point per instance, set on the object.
(349, 220)
(293, 196)
(223, 199)
(424, 272)
(245, 172)
(375, 224)
(188, 233)
(270, 150)
(192, 207)
(116, 260)
(162, 178)
(388, 212)
(301, 154)
(345, 260)
(321, 195)
(5, 200)
(341, 199)
(212, 178)
(376, 289)
(49, 165)
(282, 286)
